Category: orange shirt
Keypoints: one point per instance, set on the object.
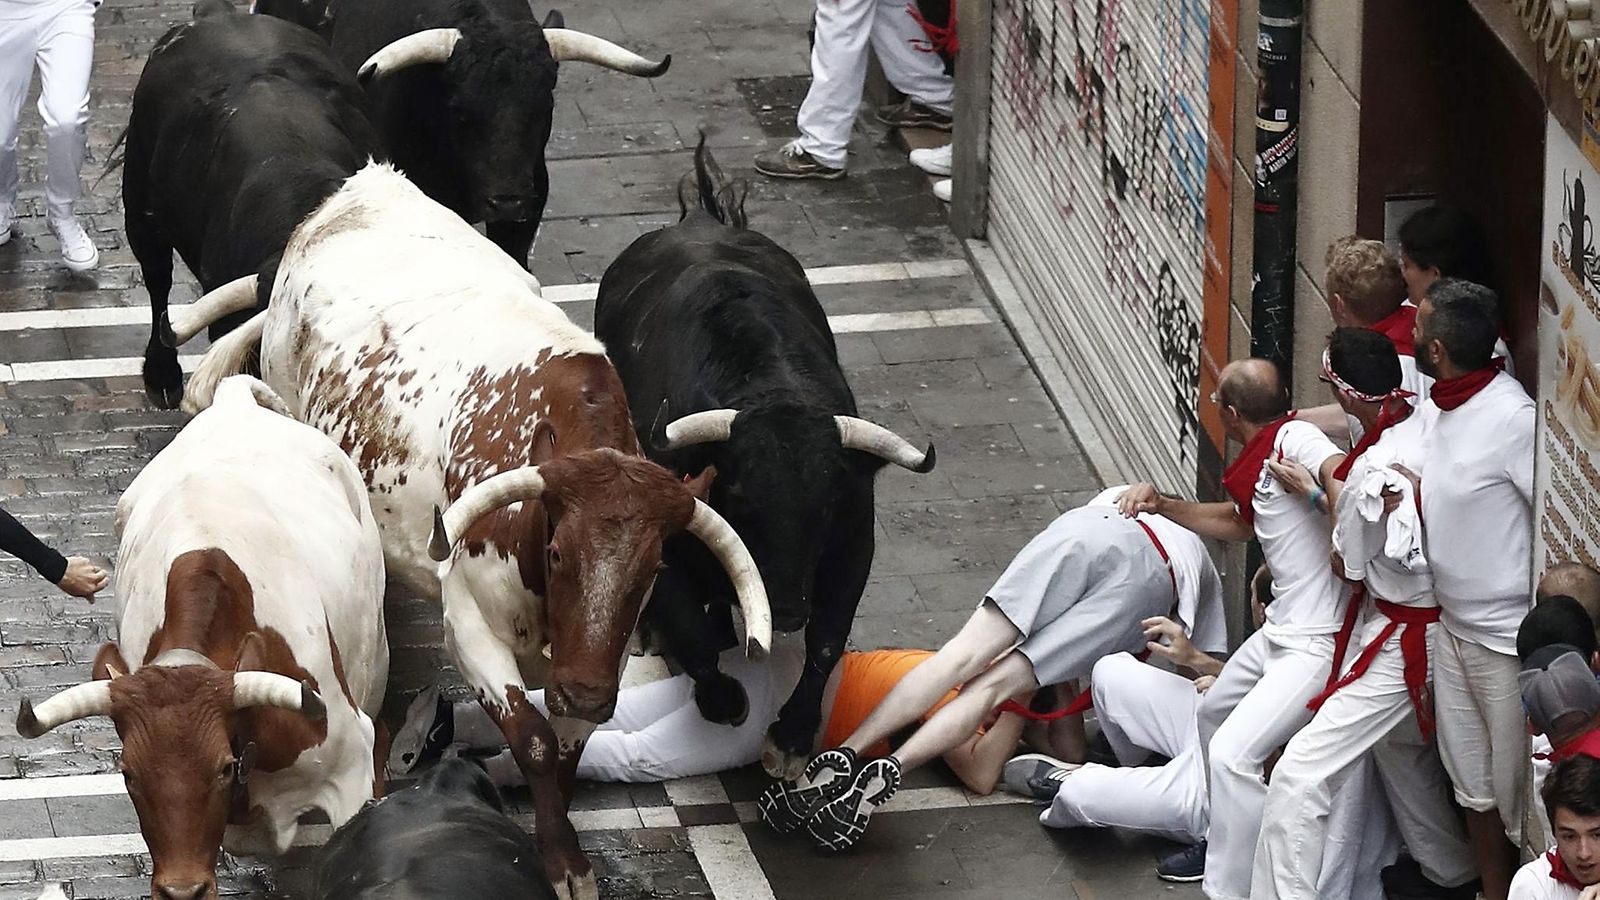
(866, 679)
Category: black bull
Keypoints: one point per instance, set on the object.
(716, 327)
(240, 126)
(463, 93)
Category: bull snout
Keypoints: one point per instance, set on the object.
(576, 700)
(184, 891)
(507, 207)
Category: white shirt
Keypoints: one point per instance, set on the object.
(1533, 882)
(1199, 585)
(1477, 513)
(1307, 597)
(1407, 582)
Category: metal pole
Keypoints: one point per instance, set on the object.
(1277, 182)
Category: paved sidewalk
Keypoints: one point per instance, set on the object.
(926, 354)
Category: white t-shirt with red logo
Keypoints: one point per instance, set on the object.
(1307, 597)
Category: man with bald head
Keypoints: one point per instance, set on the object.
(1575, 580)
(1259, 700)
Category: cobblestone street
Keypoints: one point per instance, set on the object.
(926, 353)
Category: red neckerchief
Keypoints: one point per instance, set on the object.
(1560, 872)
(1396, 326)
(1449, 393)
(1393, 411)
(1240, 477)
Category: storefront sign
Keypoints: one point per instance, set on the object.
(1567, 468)
(1567, 32)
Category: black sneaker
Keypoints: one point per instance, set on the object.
(786, 805)
(428, 730)
(1035, 775)
(790, 161)
(1188, 864)
(840, 824)
(909, 113)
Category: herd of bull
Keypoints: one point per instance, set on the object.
(423, 411)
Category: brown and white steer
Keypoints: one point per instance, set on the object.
(432, 359)
(252, 653)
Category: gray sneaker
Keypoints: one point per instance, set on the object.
(1035, 775)
(790, 161)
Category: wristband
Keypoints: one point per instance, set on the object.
(1317, 493)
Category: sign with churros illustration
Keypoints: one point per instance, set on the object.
(1567, 470)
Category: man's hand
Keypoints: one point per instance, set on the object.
(1140, 498)
(83, 578)
(1204, 683)
(1296, 479)
(1391, 499)
(1167, 640)
(1592, 892)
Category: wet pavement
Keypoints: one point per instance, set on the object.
(925, 352)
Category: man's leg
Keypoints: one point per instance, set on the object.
(1295, 670)
(1472, 686)
(959, 719)
(838, 75)
(985, 636)
(1143, 708)
(18, 46)
(1361, 838)
(66, 54)
(915, 73)
(1168, 800)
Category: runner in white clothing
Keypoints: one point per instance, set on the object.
(1572, 870)
(1381, 706)
(58, 37)
(1477, 507)
(1259, 701)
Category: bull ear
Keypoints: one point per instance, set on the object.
(544, 443)
(252, 655)
(554, 19)
(700, 485)
(108, 662)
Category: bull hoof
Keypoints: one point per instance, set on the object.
(163, 380)
(572, 886)
(721, 699)
(781, 764)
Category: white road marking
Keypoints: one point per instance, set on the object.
(60, 786)
(730, 866)
(100, 317)
(852, 323)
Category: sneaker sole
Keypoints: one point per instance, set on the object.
(1180, 879)
(785, 809)
(82, 267)
(802, 176)
(931, 125)
(831, 832)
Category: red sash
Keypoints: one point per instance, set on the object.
(1449, 393)
(1560, 872)
(1085, 699)
(1240, 477)
(1394, 411)
(1397, 327)
(1413, 650)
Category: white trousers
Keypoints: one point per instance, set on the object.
(59, 39)
(1483, 730)
(1369, 718)
(1256, 706)
(1144, 709)
(845, 29)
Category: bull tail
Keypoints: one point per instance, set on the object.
(115, 157)
(250, 389)
(228, 356)
(712, 191)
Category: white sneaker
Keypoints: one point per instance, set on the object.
(941, 189)
(8, 215)
(933, 160)
(77, 250)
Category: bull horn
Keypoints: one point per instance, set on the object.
(78, 702)
(720, 538)
(179, 325)
(271, 689)
(567, 45)
(431, 45)
(478, 501)
(709, 427)
(859, 434)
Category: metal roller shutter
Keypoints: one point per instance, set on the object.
(1097, 166)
